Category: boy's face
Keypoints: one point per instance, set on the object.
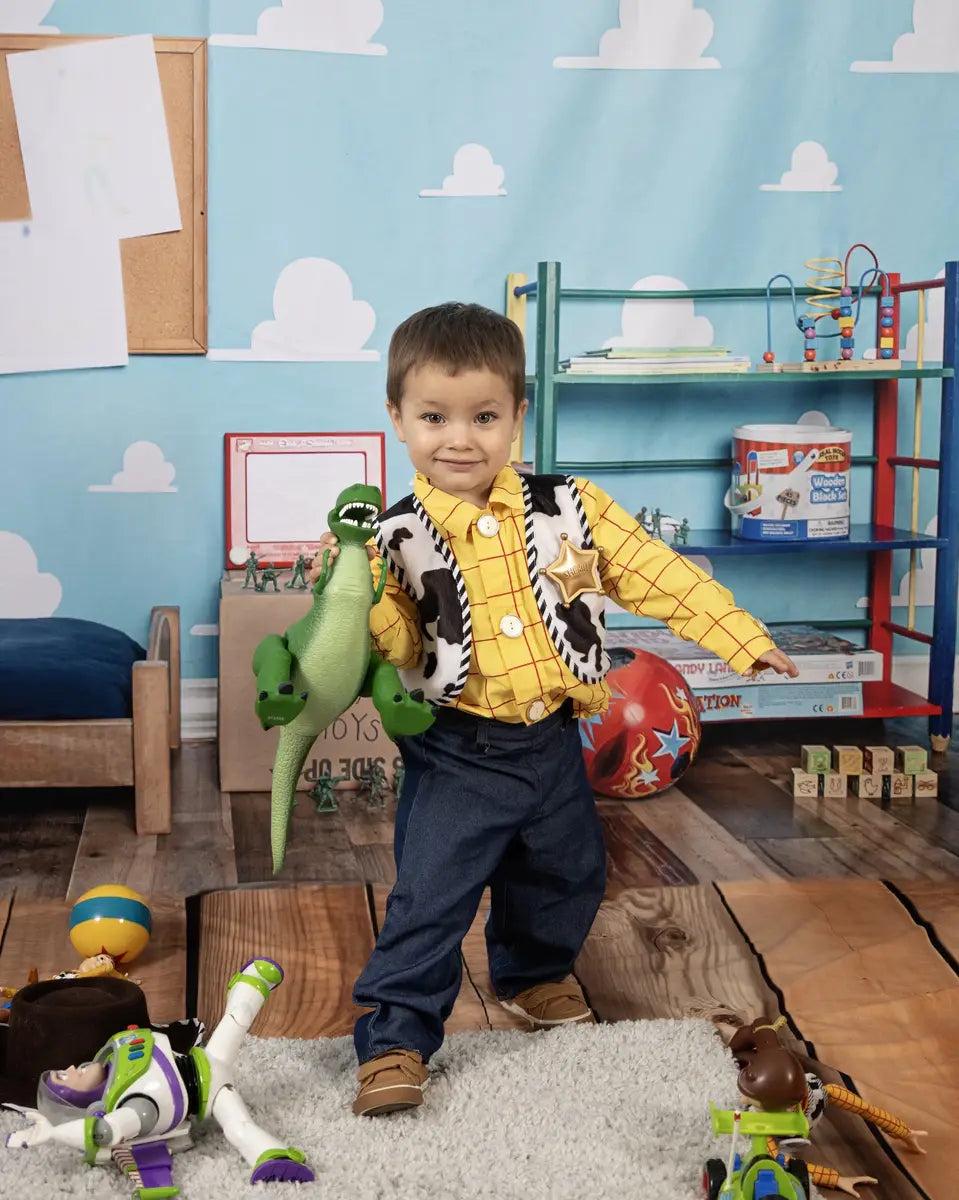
(458, 429)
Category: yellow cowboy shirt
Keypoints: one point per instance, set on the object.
(522, 678)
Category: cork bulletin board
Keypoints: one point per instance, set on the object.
(165, 275)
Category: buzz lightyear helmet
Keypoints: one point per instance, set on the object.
(59, 1102)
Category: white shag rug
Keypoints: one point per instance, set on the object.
(600, 1112)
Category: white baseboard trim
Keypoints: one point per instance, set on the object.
(198, 710)
(198, 696)
(912, 671)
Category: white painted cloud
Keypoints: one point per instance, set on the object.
(935, 328)
(26, 16)
(205, 630)
(24, 590)
(653, 35)
(144, 470)
(925, 579)
(316, 319)
(814, 417)
(474, 174)
(662, 322)
(811, 171)
(932, 46)
(327, 26)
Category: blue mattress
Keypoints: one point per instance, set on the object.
(65, 669)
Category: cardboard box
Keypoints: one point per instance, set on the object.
(246, 750)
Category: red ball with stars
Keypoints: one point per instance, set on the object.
(649, 735)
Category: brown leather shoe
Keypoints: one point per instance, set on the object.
(390, 1082)
(547, 1004)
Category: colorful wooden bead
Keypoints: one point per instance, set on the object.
(810, 355)
(769, 356)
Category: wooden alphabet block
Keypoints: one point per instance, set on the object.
(834, 785)
(805, 783)
(868, 787)
(926, 784)
(816, 760)
(900, 787)
(878, 760)
(911, 760)
(847, 760)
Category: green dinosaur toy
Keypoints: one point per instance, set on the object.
(306, 678)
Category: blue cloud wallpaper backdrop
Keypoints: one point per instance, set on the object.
(369, 158)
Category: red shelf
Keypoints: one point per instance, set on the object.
(891, 700)
(878, 700)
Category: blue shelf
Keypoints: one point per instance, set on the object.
(739, 379)
(861, 537)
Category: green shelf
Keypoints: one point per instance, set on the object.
(734, 379)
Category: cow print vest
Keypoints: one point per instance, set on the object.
(426, 569)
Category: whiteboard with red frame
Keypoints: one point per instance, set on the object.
(280, 488)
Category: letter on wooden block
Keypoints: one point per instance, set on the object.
(878, 760)
(835, 785)
(911, 760)
(847, 760)
(901, 786)
(816, 760)
(805, 783)
(868, 787)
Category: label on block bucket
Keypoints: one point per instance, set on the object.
(790, 482)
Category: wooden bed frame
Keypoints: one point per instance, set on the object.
(126, 752)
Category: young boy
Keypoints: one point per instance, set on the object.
(493, 605)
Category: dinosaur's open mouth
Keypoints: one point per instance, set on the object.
(358, 514)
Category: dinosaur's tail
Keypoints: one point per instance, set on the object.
(291, 752)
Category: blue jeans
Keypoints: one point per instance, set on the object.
(482, 803)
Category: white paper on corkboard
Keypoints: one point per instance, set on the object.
(93, 135)
(61, 299)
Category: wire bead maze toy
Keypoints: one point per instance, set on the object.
(835, 298)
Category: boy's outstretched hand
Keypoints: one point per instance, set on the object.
(781, 663)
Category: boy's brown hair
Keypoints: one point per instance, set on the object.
(457, 337)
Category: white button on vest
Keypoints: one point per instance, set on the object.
(536, 710)
(488, 525)
(511, 625)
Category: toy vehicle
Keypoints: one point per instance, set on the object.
(760, 1175)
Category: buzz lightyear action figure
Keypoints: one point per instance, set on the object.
(134, 1102)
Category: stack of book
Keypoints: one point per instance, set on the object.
(832, 671)
(657, 360)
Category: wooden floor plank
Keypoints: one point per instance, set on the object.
(39, 835)
(635, 857)
(938, 905)
(735, 795)
(676, 952)
(320, 935)
(699, 842)
(318, 849)
(810, 858)
(38, 936)
(864, 984)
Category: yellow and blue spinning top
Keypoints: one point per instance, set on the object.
(110, 919)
